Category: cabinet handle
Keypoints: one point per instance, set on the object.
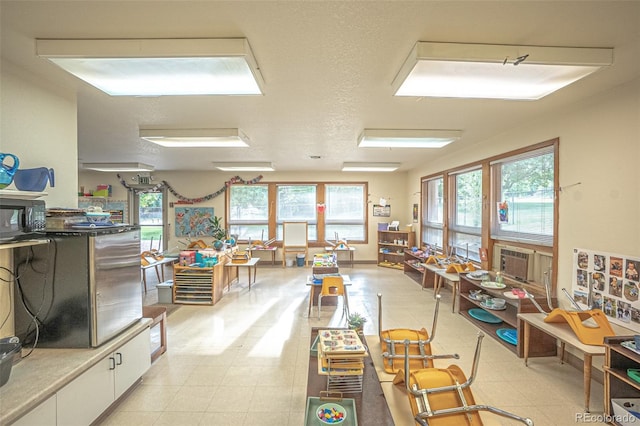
(119, 355)
(112, 362)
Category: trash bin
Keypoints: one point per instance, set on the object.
(300, 259)
(289, 262)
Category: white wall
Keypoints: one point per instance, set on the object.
(39, 126)
(199, 184)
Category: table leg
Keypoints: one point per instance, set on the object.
(562, 347)
(527, 333)
(454, 286)
(587, 381)
(310, 300)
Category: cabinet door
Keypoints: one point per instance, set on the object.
(85, 398)
(43, 415)
(133, 359)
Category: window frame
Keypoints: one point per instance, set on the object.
(320, 223)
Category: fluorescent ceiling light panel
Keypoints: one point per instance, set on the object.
(454, 70)
(157, 67)
(406, 138)
(118, 167)
(196, 138)
(370, 167)
(244, 166)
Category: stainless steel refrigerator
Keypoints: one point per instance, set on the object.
(80, 290)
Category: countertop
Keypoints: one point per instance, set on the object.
(35, 378)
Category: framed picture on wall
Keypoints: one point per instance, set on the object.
(415, 213)
(379, 210)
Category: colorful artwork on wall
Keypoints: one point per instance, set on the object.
(193, 221)
(613, 282)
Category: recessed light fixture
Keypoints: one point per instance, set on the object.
(407, 138)
(370, 167)
(157, 67)
(118, 167)
(196, 138)
(456, 70)
(256, 166)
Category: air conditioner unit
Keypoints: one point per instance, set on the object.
(517, 264)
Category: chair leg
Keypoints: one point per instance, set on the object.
(319, 305)
(345, 301)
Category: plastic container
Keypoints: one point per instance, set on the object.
(7, 353)
(289, 262)
(626, 411)
(165, 292)
(300, 259)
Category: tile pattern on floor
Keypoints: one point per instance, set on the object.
(244, 361)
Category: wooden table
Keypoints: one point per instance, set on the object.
(371, 405)
(159, 272)
(250, 264)
(350, 250)
(271, 250)
(315, 288)
(563, 333)
(439, 275)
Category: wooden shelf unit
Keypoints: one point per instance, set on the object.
(617, 383)
(201, 286)
(541, 344)
(413, 268)
(395, 242)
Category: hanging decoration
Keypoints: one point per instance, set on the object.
(164, 183)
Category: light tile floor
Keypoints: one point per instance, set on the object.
(244, 361)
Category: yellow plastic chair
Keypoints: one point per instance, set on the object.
(334, 287)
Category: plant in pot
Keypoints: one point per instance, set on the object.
(217, 232)
(356, 322)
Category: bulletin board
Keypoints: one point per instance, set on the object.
(193, 221)
(614, 284)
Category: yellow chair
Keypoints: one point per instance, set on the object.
(334, 287)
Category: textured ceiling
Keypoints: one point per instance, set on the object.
(327, 67)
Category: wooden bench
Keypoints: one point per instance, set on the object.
(158, 315)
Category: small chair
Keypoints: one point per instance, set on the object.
(334, 287)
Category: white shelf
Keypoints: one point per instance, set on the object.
(21, 195)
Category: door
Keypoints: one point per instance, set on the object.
(149, 208)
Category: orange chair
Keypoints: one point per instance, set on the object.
(334, 287)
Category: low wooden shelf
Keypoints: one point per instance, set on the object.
(541, 343)
(395, 242)
(617, 383)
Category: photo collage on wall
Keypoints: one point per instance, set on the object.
(614, 284)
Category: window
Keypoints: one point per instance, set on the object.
(249, 212)
(297, 203)
(524, 186)
(466, 226)
(344, 216)
(257, 211)
(433, 211)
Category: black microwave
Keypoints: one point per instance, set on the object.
(21, 219)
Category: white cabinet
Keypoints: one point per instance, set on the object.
(43, 415)
(89, 395)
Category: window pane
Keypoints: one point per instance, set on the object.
(344, 203)
(468, 195)
(527, 188)
(345, 212)
(250, 232)
(248, 203)
(433, 237)
(296, 203)
(435, 201)
(345, 232)
(466, 246)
